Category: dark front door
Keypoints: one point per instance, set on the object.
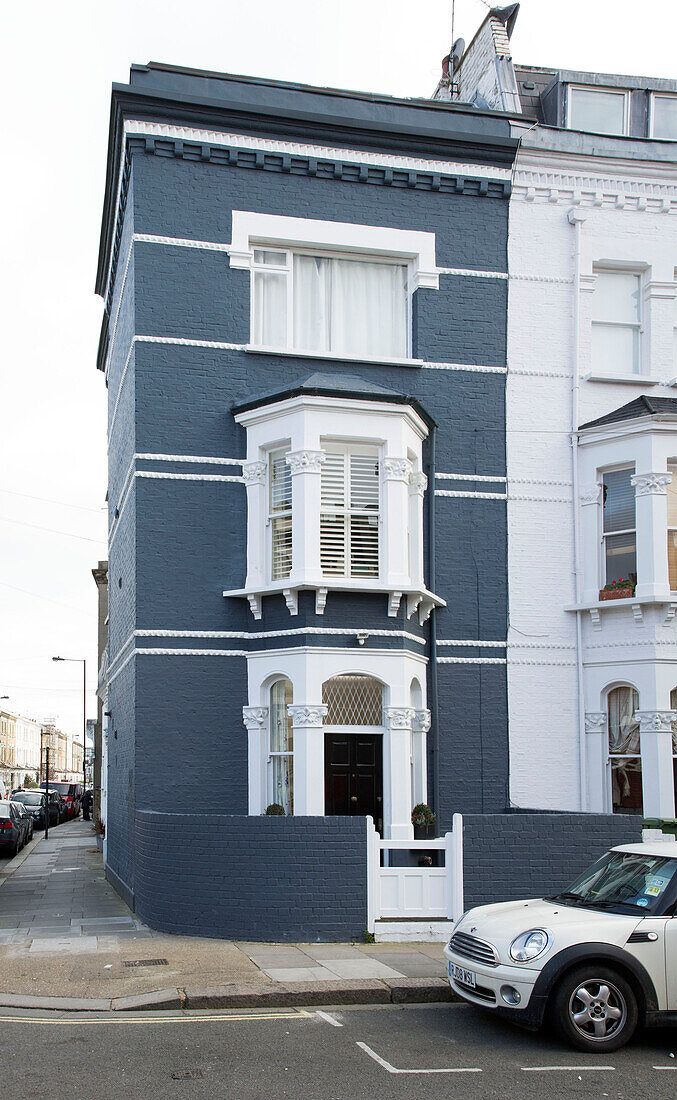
(353, 770)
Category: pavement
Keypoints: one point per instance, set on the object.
(69, 942)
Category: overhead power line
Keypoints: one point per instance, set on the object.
(49, 500)
(49, 599)
(51, 530)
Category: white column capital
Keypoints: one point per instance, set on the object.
(651, 484)
(421, 721)
(595, 721)
(591, 494)
(254, 718)
(305, 462)
(655, 721)
(254, 473)
(307, 715)
(418, 483)
(399, 718)
(397, 469)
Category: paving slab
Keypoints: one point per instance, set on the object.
(300, 974)
(361, 968)
(159, 998)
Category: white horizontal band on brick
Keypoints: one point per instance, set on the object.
(191, 458)
(493, 645)
(120, 385)
(538, 481)
(473, 272)
(542, 279)
(563, 664)
(181, 341)
(192, 652)
(472, 660)
(541, 645)
(539, 373)
(110, 676)
(476, 496)
(181, 242)
(541, 500)
(295, 631)
(321, 152)
(121, 651)
(465, 366)
(162, 476)
(114, 326)
(469, 477)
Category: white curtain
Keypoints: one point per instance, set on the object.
(350, 307)
(270, 309)
(623, 726)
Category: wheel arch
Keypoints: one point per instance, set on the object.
(605, 954)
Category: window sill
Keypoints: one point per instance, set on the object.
(634, 604)
(392, 361)
(623, 379)
(418, 598)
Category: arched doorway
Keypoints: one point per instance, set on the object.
(353, 749)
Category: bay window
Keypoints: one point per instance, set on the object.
(616, 322)
(673, 706)
(329, 304)
(618, 534)
(625, 759)
(349, 519)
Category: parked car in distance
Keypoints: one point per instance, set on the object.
(71, 794)
(13, 829)
(34, 802)
(597, 960)
(27, 819)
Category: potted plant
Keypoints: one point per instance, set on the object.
(275, 810)
(621, 589)
(422, 819)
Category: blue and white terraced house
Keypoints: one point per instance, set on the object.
(304, 346)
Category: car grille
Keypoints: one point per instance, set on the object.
(479, 991)
(471, 948)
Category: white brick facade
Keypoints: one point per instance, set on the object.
(630, 220)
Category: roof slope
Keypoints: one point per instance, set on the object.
(641, 406)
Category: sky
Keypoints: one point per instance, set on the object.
(58, 61)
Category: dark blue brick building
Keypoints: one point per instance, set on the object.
(304, 347)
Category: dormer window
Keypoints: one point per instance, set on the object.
(664, 117)
(597, 110)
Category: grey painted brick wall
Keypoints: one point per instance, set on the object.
(257, 878)
(525, 855)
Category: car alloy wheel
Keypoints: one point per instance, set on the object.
(595, 1009)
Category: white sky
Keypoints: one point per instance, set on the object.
(58, 61)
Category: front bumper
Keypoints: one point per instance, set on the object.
(490, 980)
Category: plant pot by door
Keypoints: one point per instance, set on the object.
(423, 832)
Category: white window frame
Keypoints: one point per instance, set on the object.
(604, 535)
(638, 325)
(286, 268)
(364, 448)
(379, 244)
(272, 756)
(593, 89)
(271, 516)
(619, 755)
(652, 101)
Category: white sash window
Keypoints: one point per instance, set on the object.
(280, 515)
(616, 324)
(350, 512)
(329, 304)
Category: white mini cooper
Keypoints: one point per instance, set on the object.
(598, 959)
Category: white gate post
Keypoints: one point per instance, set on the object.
(457, 864)
(373, 861)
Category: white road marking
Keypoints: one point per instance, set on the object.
(573, 1069)
(330, 1019)
(391, 1069)
(673, 1068)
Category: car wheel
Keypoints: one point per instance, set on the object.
(594, 1009)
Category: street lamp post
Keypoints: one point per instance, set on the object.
(83, 662)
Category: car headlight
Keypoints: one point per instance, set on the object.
(529, 945)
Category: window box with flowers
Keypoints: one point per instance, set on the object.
(621, 589)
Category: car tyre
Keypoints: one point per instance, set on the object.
(594, 1008)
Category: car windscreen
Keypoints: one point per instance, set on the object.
(62, 788)
(625, 880)
(29, 798)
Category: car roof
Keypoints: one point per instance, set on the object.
(666, 848)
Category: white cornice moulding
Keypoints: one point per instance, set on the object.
(322, 152)
(276, 409)
(548, 168)
(417, 247)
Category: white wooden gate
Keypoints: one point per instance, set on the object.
(401, 892)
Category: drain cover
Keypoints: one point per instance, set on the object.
(147, 962)
(187, 1074)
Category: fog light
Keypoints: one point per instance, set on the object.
(510, 995)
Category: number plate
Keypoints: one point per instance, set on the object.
(459, 974)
